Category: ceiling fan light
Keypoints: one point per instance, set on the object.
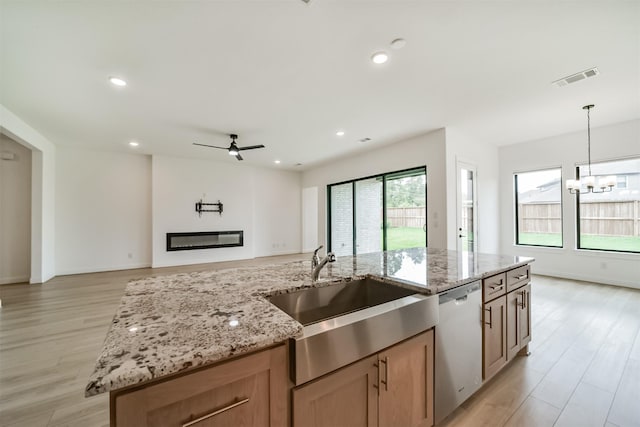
(233, 152)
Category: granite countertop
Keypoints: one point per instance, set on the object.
(168, 324)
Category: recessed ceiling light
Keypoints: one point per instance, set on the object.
(398, 43)
(117, 81)
(379, 57)
(134, 143)
(340, 133)
(277, 162)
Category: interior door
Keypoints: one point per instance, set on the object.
(467, 208)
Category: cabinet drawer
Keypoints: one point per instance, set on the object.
(518, 277)
(494, 286)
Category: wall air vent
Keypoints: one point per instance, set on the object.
(591, 72)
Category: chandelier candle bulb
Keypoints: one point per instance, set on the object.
(609, 181)
(590, 181)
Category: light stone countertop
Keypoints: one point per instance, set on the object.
(168, 324)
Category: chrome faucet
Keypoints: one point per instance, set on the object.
(318, 265)
(315, 259)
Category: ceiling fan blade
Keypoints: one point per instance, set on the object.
(211, 146)
(251, 147)
(238, 156)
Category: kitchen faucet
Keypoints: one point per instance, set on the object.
(317, 264)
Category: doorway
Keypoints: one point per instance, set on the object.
(15, 211)
(466, 207)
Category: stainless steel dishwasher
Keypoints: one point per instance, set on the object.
(458, 364)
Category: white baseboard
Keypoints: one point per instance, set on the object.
(13, 279)
(588, 278)
(85, 270)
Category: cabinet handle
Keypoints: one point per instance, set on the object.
(490, 317)
(494, 287)
(520, 277)
(386, 373)
(214, 413)
(522, 304)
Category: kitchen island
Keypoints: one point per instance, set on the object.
(173, 324)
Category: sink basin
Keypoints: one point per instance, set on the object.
(314, 305)
(348, 321)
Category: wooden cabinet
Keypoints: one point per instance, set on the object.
(248, 391)
(494, 337)
(494, 286)
(406, 396)
(391, 388)
(524, 316)
(507, 318)
(518, 277)
(347, 397)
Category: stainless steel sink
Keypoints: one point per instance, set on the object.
(351, 320)
(317, 304)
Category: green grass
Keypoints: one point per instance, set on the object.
(405, 237)
(615, 243)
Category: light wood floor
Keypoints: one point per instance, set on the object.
(584, 368)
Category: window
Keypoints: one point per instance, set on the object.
(538, 197)
(381, 212)
(611, 221)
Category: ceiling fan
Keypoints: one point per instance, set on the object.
(233, 149)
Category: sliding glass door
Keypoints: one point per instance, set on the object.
(381, 212)
(406, 206)
(368, 215)
(341, 214)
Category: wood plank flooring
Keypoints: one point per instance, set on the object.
(584, 368)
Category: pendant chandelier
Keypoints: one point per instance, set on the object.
(605, 183)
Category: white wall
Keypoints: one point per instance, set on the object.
(427, 149)
(103, 211)
(309, 219)
(462, 147)
(276, 211)
(263, 203)
(610, 142)
(15, 212)
(43, 168)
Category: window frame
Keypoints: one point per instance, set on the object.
(515, 206)
(577, 210)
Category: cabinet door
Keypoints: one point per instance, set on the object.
(524, 315)
(406, 383)
(248, 391)
(347, 397)
(514, 300)
(494, 337)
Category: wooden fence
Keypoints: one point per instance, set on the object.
(601, 218)
(406, 217)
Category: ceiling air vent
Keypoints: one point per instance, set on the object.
(591, 72)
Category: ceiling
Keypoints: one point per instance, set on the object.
(288, 74)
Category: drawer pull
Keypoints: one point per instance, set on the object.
(214, 413)
(494, 287)
(522, 276)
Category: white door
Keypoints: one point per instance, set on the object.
(467, 207)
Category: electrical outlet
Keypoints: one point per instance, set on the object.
(603, 265)
(130, 255)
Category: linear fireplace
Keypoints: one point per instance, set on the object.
(204, 240)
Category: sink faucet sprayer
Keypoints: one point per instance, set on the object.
(317, 264)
